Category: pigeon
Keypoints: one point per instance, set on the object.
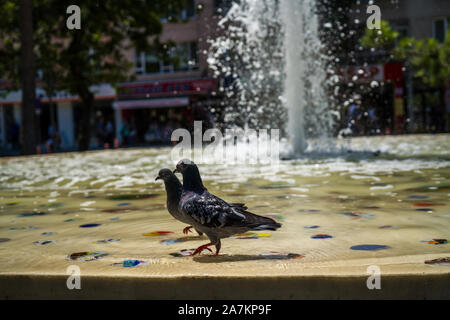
(212, 215)
(173, 190)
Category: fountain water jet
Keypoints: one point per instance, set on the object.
(305, 82)
(272, 51)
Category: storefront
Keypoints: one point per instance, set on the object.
(56, 120)
(146, 113)
(379, 89)
(447, 105)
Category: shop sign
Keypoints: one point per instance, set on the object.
(362, 74)
(166, 88)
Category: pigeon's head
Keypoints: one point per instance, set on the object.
(192, 180)
(164, 174)
(185, 166)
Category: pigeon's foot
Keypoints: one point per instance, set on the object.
(187, 230)
(202, 248)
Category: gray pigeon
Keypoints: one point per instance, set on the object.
(212, 215)
(173, 190)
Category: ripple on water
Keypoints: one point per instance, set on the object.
(32, 214)
(123, 197)
(322, 236)
(129, 177)
(90, 225)
(369, 247)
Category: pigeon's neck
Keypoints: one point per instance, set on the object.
(173, 189)
(192, 181)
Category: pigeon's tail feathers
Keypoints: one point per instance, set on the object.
(256, 222)
(239, 206)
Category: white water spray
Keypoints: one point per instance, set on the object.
(272, 50)
(305, 94)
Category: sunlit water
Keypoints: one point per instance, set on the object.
(389, 191)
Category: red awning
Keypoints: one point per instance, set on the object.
(151, 103)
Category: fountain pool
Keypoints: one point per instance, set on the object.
(103, 212)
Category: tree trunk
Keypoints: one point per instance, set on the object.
(442, 118)
(27, 72)
(82, 90)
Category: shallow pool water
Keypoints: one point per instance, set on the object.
(387, 199)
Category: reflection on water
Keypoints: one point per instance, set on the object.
(343, 207)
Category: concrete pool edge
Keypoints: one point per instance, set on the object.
(412, 286)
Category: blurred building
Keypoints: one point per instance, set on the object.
(384, 85)
(167, 93)
(172, 92)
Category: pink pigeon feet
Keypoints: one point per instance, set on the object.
(187, 230)
(202, 248)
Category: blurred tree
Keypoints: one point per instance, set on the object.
(429, 59)
(75, 60)
(383, 39)
(17, 59)
(27, 72)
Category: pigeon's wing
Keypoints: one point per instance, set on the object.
(251, 220)
(210, 211)
(213, 212)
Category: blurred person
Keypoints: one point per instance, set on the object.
(373, 121)
(14, 133)
(132, 135)
(109, 133)
(167, 132)
(101, 134)
(354, 117)
(153, 134)
(125, 132)
(54, 139)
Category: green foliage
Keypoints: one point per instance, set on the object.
(429, 58)
(380, 39)
(9, 40)
(74, 60)
(96, 53)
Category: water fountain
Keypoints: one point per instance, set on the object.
(341, 214)
(250, 57)
(306, 99)
(272, 52)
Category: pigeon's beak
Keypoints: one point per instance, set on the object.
(176, 171)
(157, 178)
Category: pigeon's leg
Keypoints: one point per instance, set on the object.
(214, 242)
(187, 229)
(204, 247)
(218, 246)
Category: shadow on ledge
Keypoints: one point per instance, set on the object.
(276, 287)
(244, 257)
